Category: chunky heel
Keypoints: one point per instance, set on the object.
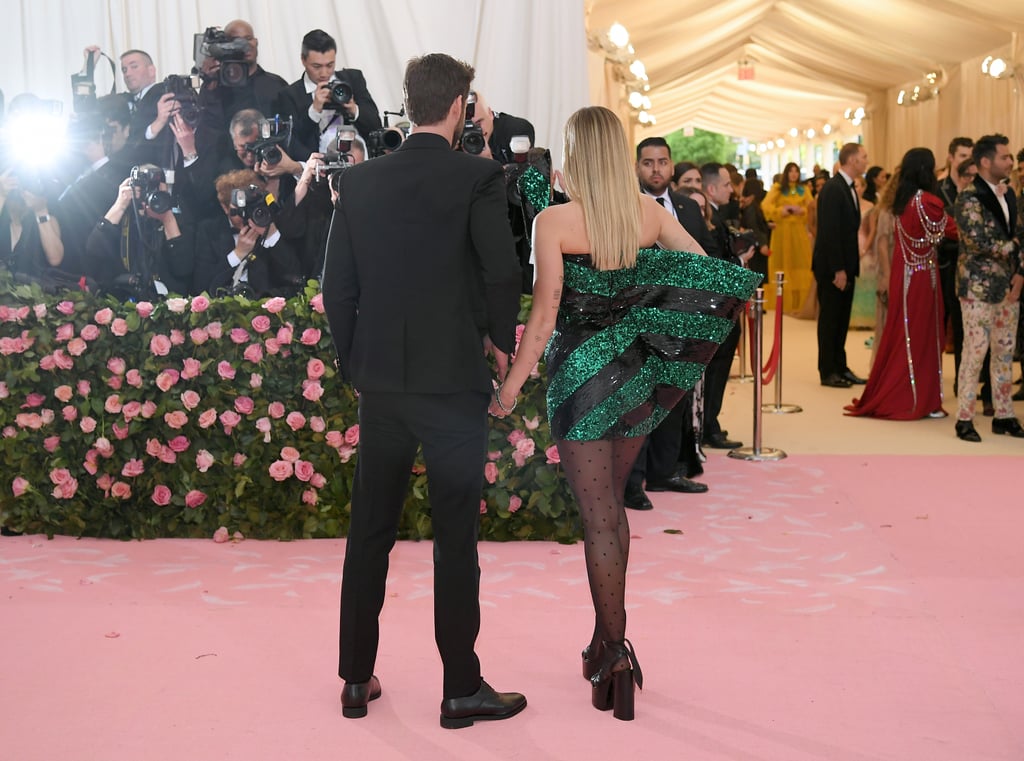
(615, 680)
(623, 694)
(601, 695)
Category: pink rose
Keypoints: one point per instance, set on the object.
(295, 420)
(221, 535)
(131, 410)
(65, 332)
(164, 381)
(230, 419)
(63, 393)
(352, 435)
(263, 425)
(310, 336)
(514, 503)
(133, 468)
(203, 460)
(526, 447)
(515, 437)
(345, 452)
(225, 370)
(192, 368)
(483, 507)
(208, 418)
(238, 460)
(490, 472)
(40, 311)
(160, 345)
(199, 336)
(317, 302)
(260, 323)
(69, 413)
(104, 447)
(552, 453)
(66, 308)
(115, 382)
(178, 444)
(281, 470)
(244, 405)
(161, 495)
(290, 454)
(176, 305)
(50, 443)
(121, 490)
(276, 410)
(275, 304)
(144, 309)
(177, 338)
(273, 345)
(167, 455)
(133, 378)
(84, 388)
(531, 423)
(200, 304)
(215, 329)
(19, 486)
(47, 363)
(309, 497)
(255, 380)
(10, 432)
(104, 482)
(194, 498)
(90, 464)
(148, 409)
(494, 456)
(239, 335)
(62, 360)
(315, 368)
(519, 459)
(190, 399)
(317, 424)
(120, 432)
(312, 390)
(284, 334)
(90, 332)
(47, 416)
(335, 439)
(176, 419)
(304, 470)
(60, 475)
(153, 447)
(104, 316)
(253, 353)
(6, 392)
(318, 480)
(66, 490)
(119, 327)
(113, 404)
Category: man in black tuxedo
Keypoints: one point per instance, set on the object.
(151, 110)
(658, 461)
(499, 129)
(315, 116)
(836, 265)
(402, 289)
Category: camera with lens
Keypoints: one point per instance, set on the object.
(341, 92)
(253, 203)
(382, 141)
(472, 134)
(741, 240)
(147, 178)
(274, 132)
(183, 88)
(228, 51)
(337, 158)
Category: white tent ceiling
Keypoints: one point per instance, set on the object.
(813, 58)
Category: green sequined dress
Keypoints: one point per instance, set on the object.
(629, 343)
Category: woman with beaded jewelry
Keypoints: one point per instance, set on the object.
(631, 328)
(906, 378)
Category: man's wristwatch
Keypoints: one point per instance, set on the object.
(43, 218)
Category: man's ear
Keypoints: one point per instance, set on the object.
(455, 110)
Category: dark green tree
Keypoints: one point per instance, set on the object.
(703, 147)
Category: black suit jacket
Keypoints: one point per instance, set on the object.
(401, 279)
(836, 247)
(690, 216)
(294, 101)
(139, 150)
(505, 128)
(221, 103)
(272, 272)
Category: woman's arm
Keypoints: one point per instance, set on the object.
(547, 295)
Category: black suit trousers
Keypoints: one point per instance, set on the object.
(452, 429)
(715, 379)
(833, 325)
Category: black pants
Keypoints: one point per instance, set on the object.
(833, 325)
(452, 429)
(715, 379)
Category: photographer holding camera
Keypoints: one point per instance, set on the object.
(248, 255)
(325, 99)
(498, 130)
(151, 109)
(138, 250)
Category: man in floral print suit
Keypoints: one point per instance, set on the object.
(990, 275)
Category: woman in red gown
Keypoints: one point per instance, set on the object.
(906, 379)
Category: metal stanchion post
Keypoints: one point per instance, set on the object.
(756, 452)
(779, 408)
(742, 377)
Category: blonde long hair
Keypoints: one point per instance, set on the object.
(600, 176)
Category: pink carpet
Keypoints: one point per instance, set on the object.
(822, 608)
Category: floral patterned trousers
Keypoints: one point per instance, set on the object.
(987, 325)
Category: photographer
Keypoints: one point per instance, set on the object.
(30, 239)
(151, 109)
(138, 250)
(248, 255)
(499, 129)
(325, 99)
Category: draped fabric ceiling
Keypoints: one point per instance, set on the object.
(814, 59)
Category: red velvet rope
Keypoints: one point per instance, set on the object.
(772, 365)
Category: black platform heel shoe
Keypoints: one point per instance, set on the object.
(614, 683)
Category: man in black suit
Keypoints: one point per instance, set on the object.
(402, 288)
(316, 117)
(151, 110)
(836, 265)
(499, 129)
(658, 461)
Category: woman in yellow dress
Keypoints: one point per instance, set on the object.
(787, 205)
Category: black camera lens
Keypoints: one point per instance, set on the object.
(271, 155)
(159, 201)
(341, 93)
(473, 142)
(234, 73)
(188, 110)
(261, 216)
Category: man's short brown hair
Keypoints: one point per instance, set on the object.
(431, 83)
(848, 151)
(240, 178)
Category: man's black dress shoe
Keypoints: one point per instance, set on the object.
(853, 379)
(355, 696)
(1008, 425)
(483, 705)
(965, 430)
(835, 381)
(719, 441)
(677, 483)
(636, 499)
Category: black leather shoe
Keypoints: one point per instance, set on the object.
(720, 441)
(636, 499)
(483, 705)
(853, 379)
(965, 431)
(835, 381)
(1008, 425)
(355, 696)
(678, 483)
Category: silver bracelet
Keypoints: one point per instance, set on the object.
(497, 398)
